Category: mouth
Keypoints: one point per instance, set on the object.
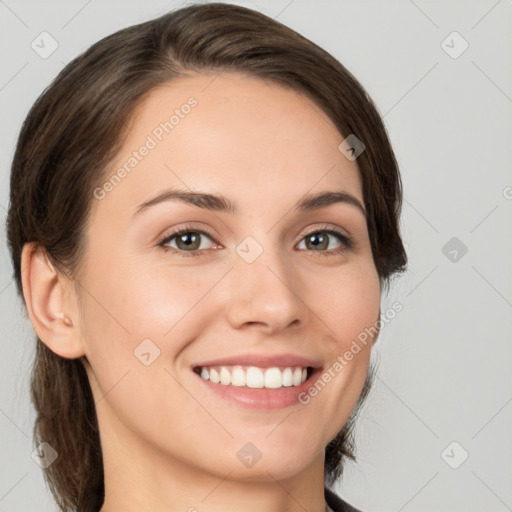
(260, 381)
(255, 377)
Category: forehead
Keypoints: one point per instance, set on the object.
(232, 134)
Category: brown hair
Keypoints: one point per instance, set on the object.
(77, 126)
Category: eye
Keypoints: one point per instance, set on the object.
(187, 240)
(320, 241)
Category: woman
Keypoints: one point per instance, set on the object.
(204, 212)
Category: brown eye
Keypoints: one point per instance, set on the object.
(187, 240)
(317, 241)
(320, 241)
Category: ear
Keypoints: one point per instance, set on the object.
(50, 305)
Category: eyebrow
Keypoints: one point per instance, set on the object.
(218, 203)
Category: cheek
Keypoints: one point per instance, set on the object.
(350, 302)
(137, 321)
(125, 305)
(349, 308)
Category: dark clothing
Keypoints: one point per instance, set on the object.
(336, 503)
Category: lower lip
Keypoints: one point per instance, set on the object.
(261, 398)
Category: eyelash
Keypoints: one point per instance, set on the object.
(346, 242)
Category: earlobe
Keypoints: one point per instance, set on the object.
(50, 311)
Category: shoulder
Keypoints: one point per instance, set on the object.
(336, 503)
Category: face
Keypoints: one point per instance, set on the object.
(257, 280)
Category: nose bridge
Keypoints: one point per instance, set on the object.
(262, 287)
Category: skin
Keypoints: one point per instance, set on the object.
(168, 444)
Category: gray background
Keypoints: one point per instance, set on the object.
(445, 359)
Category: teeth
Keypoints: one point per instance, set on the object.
(214, 376)
(288, 377)
(238, 377)
(254, 377)
(225, 377)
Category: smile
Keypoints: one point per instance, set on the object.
(255, 377)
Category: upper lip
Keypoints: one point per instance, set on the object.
(262, 361)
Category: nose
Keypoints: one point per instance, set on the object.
(263, 295)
